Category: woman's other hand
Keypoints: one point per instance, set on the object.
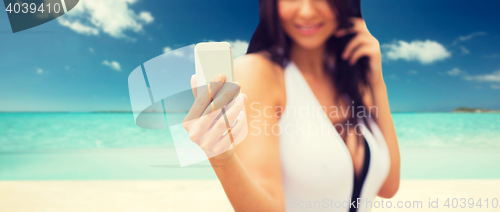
(361, 45)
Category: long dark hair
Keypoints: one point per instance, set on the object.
(271, 38)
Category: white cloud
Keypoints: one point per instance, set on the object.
(493, 77)
(78, 27)
(113, 64)
(468, 37)
(91, 50)
(175, 53)
(146, 17)
(39, 71)
(425, 52)
(112, 17)
(455, 72)
(167, 49)
(484, 78)
(464, 50)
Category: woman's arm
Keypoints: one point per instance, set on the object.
(386, 125)
(251, 178)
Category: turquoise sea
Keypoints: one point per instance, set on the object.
(87, 146)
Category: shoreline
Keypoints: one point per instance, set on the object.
(203, 195)
(162, 164)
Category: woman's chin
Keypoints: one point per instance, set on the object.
(311, 44)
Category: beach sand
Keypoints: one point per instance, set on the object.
(203, 195)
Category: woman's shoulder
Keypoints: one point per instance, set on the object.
(258, 74)
(257, 63)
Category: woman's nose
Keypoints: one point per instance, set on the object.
(307, 9)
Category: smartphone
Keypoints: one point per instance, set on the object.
(211, 59)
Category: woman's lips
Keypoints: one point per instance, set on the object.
(308, 29)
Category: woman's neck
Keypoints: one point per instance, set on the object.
(309, 61)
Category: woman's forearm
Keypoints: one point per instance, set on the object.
(384, 120)
(244, 192)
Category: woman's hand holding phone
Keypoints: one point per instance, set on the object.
(208, 132)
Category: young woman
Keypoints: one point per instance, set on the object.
(304, 54)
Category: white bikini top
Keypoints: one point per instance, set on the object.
(317, 168)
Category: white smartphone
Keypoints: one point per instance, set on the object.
(211, 59)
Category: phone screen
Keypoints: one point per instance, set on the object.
(212, 59)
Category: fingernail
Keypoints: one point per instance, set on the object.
(219, 78)
(236, 86)
(243, 97)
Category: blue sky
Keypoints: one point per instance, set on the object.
(437, 55)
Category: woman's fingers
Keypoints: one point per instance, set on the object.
(354, 44)
(358, 26)
(358, 54)
(201, 121)
(231, 114)
(238, 131)
(198, 127)
(223, 97)
(193, 85)
(357, 21)
(204, 97)
(342, 32)
(219, 140)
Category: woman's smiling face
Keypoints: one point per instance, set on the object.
(309, 23)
